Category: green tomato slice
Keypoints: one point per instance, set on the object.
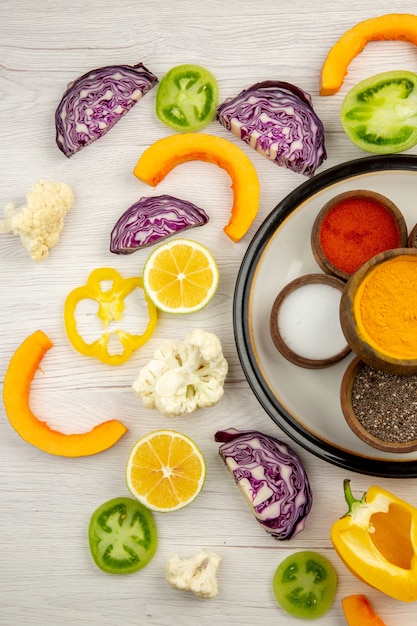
(379, 114)
(187, 98)
(304, 585)
(122, 536)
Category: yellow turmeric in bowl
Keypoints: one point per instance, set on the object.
(385, 307)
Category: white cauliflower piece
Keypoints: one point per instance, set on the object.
(183, 375)
(197, 573)
(40, 222)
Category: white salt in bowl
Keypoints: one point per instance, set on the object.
(305, 321)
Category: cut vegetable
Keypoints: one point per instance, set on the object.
(359, 612)
(180, 276)
(400, 26)
(187, 97)
(197, 573)
(109, 290)
(94, 102)
(151, 220)
(277, 120)
(271, 478)
(379, 114)
(122, 536)
(40, 221)
(16, 391)
(165, 471)
(304, 585)
(377, 541)
(165, 154)
(183, 376)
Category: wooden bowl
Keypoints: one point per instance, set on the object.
(412, 237)
(378, 318)
(349, 238)
(358, 425)
(306, 320)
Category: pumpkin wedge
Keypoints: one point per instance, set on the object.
(392, 26)
(358, 611)
(165, 154)
(16, 393)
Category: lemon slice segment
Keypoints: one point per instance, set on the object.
(180, 276)
(165, 470)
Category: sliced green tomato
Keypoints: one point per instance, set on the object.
(304, 584)
(122, 536)
(379, 114)
(187, 98)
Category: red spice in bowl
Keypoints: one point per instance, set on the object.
(352, 228)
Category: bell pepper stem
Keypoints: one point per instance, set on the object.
(352, 502)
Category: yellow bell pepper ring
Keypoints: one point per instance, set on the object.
(377, 541)
(111, 303)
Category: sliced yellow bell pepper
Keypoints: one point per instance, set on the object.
(377, 541)
(111, 307)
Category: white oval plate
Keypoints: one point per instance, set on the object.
(305, 403)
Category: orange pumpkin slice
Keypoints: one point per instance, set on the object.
(16, 392)
(358, 611)
(392, 26)
(165, 154)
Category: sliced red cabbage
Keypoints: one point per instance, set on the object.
(94, 102)
(271, 477)
(277, 119)
(150, 220)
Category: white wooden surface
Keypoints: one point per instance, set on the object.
(46, 575)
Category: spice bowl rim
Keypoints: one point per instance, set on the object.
(359, 345)
(354, 423)
(412, 237)
(319, 255)
(278, 340)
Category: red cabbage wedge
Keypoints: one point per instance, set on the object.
(150, 220)
(94, 102)
(277, 119)
(271, 477)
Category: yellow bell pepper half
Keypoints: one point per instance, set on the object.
(377, 541)
(111, 307)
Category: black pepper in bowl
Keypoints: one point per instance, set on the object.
(381, 407)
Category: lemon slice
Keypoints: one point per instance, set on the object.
(165, 470)
(180, 276)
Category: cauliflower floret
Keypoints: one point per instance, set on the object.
(183, 375)
(196, 573)
(39, 222)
